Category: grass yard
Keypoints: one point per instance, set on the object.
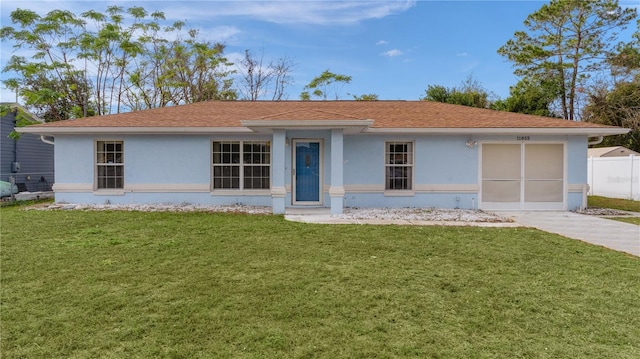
(617, 203)
(614, 203)
(632, 220)
(79, 284)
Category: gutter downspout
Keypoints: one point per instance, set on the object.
(15, 144)
(596, 142)
(49, 142)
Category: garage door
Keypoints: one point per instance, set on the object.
(522, 176)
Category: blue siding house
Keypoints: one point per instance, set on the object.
(28, 159)
(333, 154)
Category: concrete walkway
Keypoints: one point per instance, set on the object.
(619, 236)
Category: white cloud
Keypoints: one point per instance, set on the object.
(219, 33)
(463, 54)
(293, 12)
(285, 12)
(392, 53)
(382, 42)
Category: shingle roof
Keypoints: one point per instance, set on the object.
(385, 114)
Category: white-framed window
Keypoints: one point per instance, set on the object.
(109, 164)
(398, 162)
(241, 165)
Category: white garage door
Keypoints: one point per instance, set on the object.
(522, 176)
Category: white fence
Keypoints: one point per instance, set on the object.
(617, 177)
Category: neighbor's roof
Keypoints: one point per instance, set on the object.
(615, 151)
(367, 116)
(14, 106)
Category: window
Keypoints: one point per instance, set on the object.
(110, 164)
(398, 165)
(241, 165)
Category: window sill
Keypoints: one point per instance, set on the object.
(108, 192)
(399, 193)
(246, 192)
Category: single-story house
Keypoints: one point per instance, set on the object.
(615, 151)
(332, 154)
(28, 161)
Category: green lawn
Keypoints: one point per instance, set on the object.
(632, 220)
(615, 203)
(81, 284)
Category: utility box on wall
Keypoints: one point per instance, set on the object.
(15, 167)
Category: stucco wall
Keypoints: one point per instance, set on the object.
(177, 169)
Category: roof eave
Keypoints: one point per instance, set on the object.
(348, 126)
(51, 131)
(584, 131)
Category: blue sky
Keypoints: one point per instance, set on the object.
(391, 48)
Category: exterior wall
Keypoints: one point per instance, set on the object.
(445, 172)
(157, 169)
(577, 172)
(177, 169)
(6, 147)
(35, 158)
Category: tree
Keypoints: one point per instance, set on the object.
(324, 85)
(366, 97)
(625, 60)
(197, 71)
(565, 41)
(50, 82)
(257, 78)
(95, 64)
(437, 93)
(281, 70)
(469, 93)
(530, 97)
(619, 104)
(618, 107)
(110, 50)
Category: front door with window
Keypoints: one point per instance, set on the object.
(307, 172)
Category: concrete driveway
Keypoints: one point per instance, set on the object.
(619, 236)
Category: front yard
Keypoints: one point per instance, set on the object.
(617, 204)
(89, 284)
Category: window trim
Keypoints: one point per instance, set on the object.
(241, 166)
(400, 192)
(96, 165)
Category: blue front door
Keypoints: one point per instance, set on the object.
(307, 172)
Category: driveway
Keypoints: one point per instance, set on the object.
(619, 236)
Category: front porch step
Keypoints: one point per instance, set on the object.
(306, 210)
